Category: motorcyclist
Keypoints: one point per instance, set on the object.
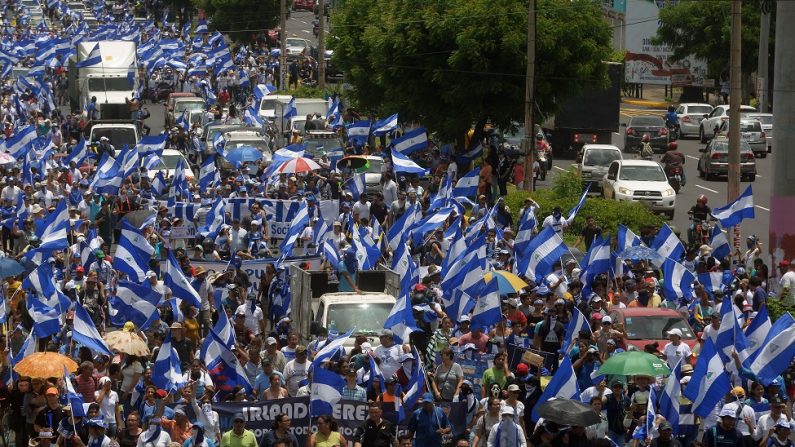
(671, 118)
(700, 212)
(646, 151)
(674, 159)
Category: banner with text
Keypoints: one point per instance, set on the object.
(255, 268)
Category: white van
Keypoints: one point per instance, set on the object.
(342, 311)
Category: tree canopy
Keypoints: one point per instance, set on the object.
(241, 19)
(703, 29)
(449, 63)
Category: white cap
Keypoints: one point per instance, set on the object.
(674, 331)
(596, 299)
(607, 320)
(464, 318)
(151, 274)
(507, 409)
(729, 409)
(366, 347)
(270, 340)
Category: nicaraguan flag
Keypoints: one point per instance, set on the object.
(625, 238)
(562, 386)
(133, 253)
(45, 318)
(757, 332)
(330, 252)
(224, 336)
(166, 371)
(262, 90)
(411, 141)
(385, 126)
(426, 226)
(208, 174)
(400, 227)
(402, 163)
(467, 186)
(357, 185)
(402, 263)
(85, 333)
(201, 27)
(475, 151)
(711, 281)
(719, 243)
(487, 311)
(709, 382)
(367, 252)
(734, 213)
(299, 221)
(775, 355)
(668, 244)
(79, 153)
(359, 132)
(730, 336)
(93, 58)
(75, 400)
(573, 212)
(541, 253)
(669, 399)
(17, 143)
(445, 193)
(577, 324)
(525, 231)
(152, 144)
(290, 111)
(325, 391)
(331, 349)
(42, 282)
(225, 369)
(28, 347)
(175, 280)
(401, 319)
(678, 280)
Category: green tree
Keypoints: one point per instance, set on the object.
(449, 63)
(703, 29)
(241, 19)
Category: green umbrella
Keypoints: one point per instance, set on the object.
(634, 363)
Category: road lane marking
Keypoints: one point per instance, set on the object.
(304, 22)
(708, 189)
(691, 157)
(763, 208)
(559, 168)
(305, 30)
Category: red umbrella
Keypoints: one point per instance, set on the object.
(297, 165)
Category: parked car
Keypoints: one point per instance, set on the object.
(714, 160)
(711, 122)
(690, 117)
(638, 126)
(645, 325)
(594, 161)
(750, 131)
(303, 5)
(767, 125)
(641, 181)
(317, 140)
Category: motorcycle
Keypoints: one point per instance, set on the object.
(701, 231)
(314, 27)
(541, 157)
(674, 174)
(673, 131)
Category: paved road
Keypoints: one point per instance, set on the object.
(715, 190)
(300, 25)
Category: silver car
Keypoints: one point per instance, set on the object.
(690, 117)
(767, 125)
(751, 132)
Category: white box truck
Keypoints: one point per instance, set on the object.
(107, 81)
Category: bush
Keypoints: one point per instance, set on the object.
(776, 309)
(566, 191)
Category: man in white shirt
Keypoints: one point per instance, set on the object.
(786, 284)
(556, 221)
(675, 350)
(10, 191)
(362, 208)
(295, 371)
(766, 424)
(237, 237)
(389, 353)
(255, 320)
(388, 188)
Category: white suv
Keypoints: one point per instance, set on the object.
(640, 181)
(711, 123)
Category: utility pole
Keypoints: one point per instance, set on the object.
(282, 44)
(735, 100)
(321, 44)
(529, 98)
(762, 68)
(782, 200)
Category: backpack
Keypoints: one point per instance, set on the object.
(647, 150)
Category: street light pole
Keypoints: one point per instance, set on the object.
(321, 44)
(282, 44)
(762, 65)
(529, 128)
(735, 100)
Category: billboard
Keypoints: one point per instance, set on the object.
(651, 64)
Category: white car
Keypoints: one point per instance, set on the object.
(711, 122)
(594, 161)
(690, 117)
(168, 163)
(767, 125)
(640, 181)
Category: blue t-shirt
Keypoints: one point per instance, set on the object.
(345, 285)
(424, 425)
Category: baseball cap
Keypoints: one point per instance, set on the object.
(238, 417)
(675, 331)
(738, 391)
(51, 391)
(387, 333)
(464, 318)
(784, 263)
(507, 409)
(271, 341)
(522, 369)
(513, 387)
(728, 410)
(427, 397)
(610, 341)
(606, 320)
(665, 425)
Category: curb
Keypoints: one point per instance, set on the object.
(646, 102)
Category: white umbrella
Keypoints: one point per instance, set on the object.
(297, 165)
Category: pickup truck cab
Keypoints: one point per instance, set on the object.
(119, 133)
(341, 311)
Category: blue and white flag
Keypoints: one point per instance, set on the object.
(152, 162)
(201, 27)
(158, 184)
(577, 324)
(411, 141)
(595, 262)
(467, 186)
(73, 397)
(525, 231)
(562, 386)
(403, 264)
(290, 111)
(180, 287)
(426, 226)
(166, 371)
(133, 253)
(330, 252)
(367, 252)
(712, 281)
(385, 126)
(400, 228)
(93, 58)
(153, 144)
(775, 355)
(573, 212)
(182, 121)
(325, 391)
(782, 323)
(730, 337)
(402, 163)
(357, 185)
(757, 332)
(28, 347)
(224, 336)
(45, 318)
(42, 282)
(135, 303)
(85, 333)
(710, 381)
(444, 194)
(719, 243)
(214, 220)
(401, 319)
(297, 224)
(678, 280)
(487, 311)
(734, 213)
(650, 412)
(79, 153)
(331, 349)
(475, 151)
(669, 399)
(262, 90)
(667, 244)
(416, 385)
(540, 254)
(359, 132)
(224, 367)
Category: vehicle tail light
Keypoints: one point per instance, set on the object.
(762, 136)
(630, 131)
(593, 138)
(715, 156)
(663, 131)
(749, 156)
(576, 138)
(686, 119)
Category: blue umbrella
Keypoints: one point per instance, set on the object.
(642, 253)
(10, 267)
(242, 154)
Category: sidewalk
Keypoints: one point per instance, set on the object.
(653, 96)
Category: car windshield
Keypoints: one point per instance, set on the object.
(268, 104)
(642, 173)
(373, 166)
(327, 143)
(295, 43)
(647, 121)
(600, 157)
(118, 136)
(723, 146)
(109, 85)
(258, 143)
(700, 110)
(516, 137)
(655, 327)
(189, 105)
(171, 160)
(212, 132)
(751, 127)
(764, 119)
(367, 318)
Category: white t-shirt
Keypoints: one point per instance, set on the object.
(362, 209)
(788, 281)
(674, 353)
(252, 317)
(128, 372)
(294, 373)
(107, 408)
(390, 359)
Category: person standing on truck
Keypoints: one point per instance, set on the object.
(134, 104)
(92, 112)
